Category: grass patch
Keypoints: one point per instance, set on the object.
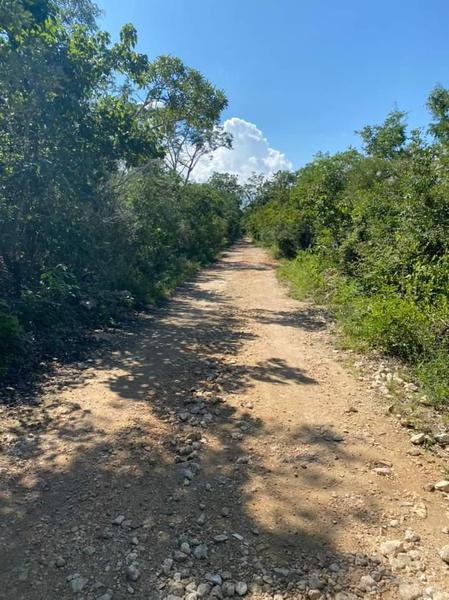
(395, 325)
(305, 275)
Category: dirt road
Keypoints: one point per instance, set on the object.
(217, 447)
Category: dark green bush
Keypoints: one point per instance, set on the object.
(97, 211)
(12, 338)
(395, 325)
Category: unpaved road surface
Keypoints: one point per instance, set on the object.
(215, 448)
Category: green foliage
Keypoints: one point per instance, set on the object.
(94, 218)
(305, 274)
(185, 108)
(434, 375)
(386, 140)
(375, 227)
(395, 325)
(438, 104)
(11, 338)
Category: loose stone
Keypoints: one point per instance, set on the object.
(418, 438)
(214, 579)
(410, 592)
(167, 565)
(241, 588)
(444, 554)
(391, 547)
(411, 536)
(228, 588)
(442, 486)
(200, 551)
(203, 589)
(132, 573)
(77, 584)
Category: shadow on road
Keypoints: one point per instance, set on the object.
(181, 455)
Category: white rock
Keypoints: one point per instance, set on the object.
(444, 554)
(367, 583)
(418, 438)
(411, 387)
(401, 561)
(442, 486)
(394, 523)
(391, 547)
(382, 471)
(241, 588)
(411, 536)
(410, 591)
(442, 438)
(420, 509)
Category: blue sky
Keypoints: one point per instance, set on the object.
(303, 74)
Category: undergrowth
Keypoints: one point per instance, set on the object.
(396, 326)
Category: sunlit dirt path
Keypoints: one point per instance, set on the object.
(216, 447)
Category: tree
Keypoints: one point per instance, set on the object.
(185, 109)
(64, 130)
(91, 221)
(438, 104)
(386, 140)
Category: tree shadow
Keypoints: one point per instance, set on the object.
(307, 317)
(187, 468)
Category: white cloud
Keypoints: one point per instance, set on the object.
(250, 153)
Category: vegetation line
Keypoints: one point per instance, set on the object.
(367, 233)
(97, 145)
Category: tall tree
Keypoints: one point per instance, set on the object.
(185, 109)
(438, 104)
(386, 140)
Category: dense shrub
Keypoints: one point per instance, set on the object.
(97, 214)
(306, 274)
(375, 227)
(11, 338)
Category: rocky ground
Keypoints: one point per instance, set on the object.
(220, 448)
